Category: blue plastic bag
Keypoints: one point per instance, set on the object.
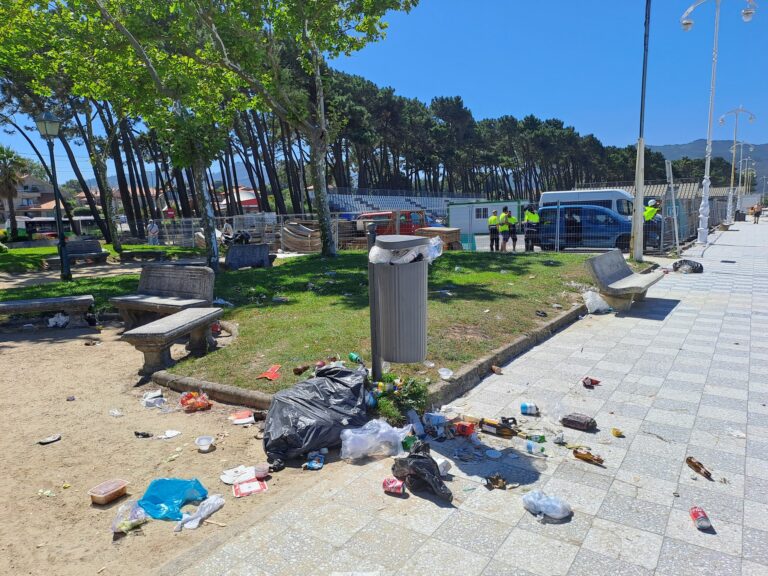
(165, 497)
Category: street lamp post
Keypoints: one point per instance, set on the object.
(735, 112)
(687, 24)
(48, 125)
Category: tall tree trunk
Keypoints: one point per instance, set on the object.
(263, 192)
(86, 190)
(206, 213)
(181, 192)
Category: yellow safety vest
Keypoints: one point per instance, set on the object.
(649, 213)
(503, 222)
(493, 222)
(531, 217)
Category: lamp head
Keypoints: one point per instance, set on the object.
(748, 13)
(687, 24)
(722, 120)
(48, 125)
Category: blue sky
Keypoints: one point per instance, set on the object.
(577, 60)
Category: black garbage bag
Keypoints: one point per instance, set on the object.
(688, 267)
(312, 414)
(420, 472)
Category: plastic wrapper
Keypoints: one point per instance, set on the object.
(376, 438)
(688, 267)
(207, 508)
(595, 304)
(194, 401)
(541, 505)
(312, 414)
(421, 472)
(429, 252)
(165, 497)
(129, 517)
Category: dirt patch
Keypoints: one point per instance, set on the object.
(465, 333)
(64, 534)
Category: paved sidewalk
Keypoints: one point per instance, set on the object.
(684, 373)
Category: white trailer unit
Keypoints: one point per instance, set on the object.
(472, 217)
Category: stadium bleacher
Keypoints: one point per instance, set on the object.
(435, 207)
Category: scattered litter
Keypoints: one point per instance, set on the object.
(541, 505)
(142, 434)
(529, 409)
(222, 302)
(280, 299)
(698, 467)
(375, 438)
(315, 461)
(392, 485)
(676, 494)
(70, 398)
(723, 480)
(497, 370)
(207, 508)
(92, 343)
(172, 457)
(299, 370)
(46, 493)
(195, 401)
(688, 267)
(595, 303)
(700, 518)
(469, 489)
(243, 473)
(204, 443)
(445, 373)
(108, 491)
(735, 433)
(444, 465)
(165, 497)
(66, 486)
(248, 487)
(541, 314)
(153, 399)
(272, 373)
(616, 432)
(559, 439)
(532, 448)
(589, 382)
(50, 439)
(496, 482)
(168, 434)
(115, 413)
(242, 417)
(587, 456)
(129, 517)
(486, 311)
(58, 321)
(557, 306)
(429, 364)
(464, 428)
(578, 421)
(531, 277)
(420, 472)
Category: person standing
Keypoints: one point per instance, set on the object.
(153, 232)
(756, 212)
(504, 228)
(493, 230)
(531, 227)
(652, 223)
(512, 221)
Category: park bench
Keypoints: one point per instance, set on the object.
(74, 306)
(133, 255)
(616, 282)
(154, 340)
(247, 256)
(86, 250)
(165, 289)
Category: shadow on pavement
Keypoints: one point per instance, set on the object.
(651, 309)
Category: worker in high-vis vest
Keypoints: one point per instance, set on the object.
(650, 211)
(507, 228)
(651, 224)
(531, 227)
(493, 230)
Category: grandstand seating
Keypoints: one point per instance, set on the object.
(436, 207)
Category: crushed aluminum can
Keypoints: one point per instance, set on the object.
(700, 518)
(392, 485)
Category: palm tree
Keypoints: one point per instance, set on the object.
(11, 173)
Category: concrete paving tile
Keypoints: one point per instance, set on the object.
(724, 537)
(606, 421)
(638, 514)
(752, 569)
(619, 396)
(679, 406)
(292, 552)
(719, 375)
(734, 485)
(755, 514)
(472, 532)
(667, 393)
(665, 432)
(640, 462)
(642, 487)
(568, 470)
(718, 462)
(757, 467)
(571, 530)
(333, 523)
(582, 498)
(680, 558)
(621, 542)
(460, 560)
(757, 419)
(401, 543)
(683, 386)
(757, 448)
(736, 393)
(628, 409)
(689, 376)
(758, 407)
(717, 505)
(516, 551)
(496, 568)
(670, 418)
(502, 505)
(756, 489)
(720, 441)
(653, 445)
(589, 563)
(421, 512)
(725, 414)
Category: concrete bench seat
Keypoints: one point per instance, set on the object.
(247, 256)
(616, 282)
(154, 340)
(74, 306)
(81, 250)
(165, 289)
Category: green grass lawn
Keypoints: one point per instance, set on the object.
(477, 302)
(493, 299)
(20, 260)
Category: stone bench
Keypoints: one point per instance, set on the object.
(247, 256)
(616, 282)
(154, 340)
(165, 289)
(74, 306)
(86, 250)
(133, 255)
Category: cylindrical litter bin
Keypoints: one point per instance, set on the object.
(401, 301)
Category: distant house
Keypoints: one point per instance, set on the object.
(32, 192)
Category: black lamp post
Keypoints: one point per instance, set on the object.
(48, 125)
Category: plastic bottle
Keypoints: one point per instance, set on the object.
(503, 428)
(532, 448)
(540, 438)
(529, 409)
(354, 357)
(418, 427)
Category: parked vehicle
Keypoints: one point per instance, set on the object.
(619, 201)
(584, 227)
(393, 222)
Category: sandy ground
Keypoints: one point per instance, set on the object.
(64, 534)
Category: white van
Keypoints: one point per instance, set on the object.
(619, 201)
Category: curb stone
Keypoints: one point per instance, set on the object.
(217, 392)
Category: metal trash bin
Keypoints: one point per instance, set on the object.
(401, 302)
(740, 216)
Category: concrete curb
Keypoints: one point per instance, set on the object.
(218, 392)
(473, 373)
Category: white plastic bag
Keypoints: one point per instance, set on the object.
(541, 505)
(129, 516)
(595, 304)
(379, 255)
(434, 249)
(374, 439)
(207, 508)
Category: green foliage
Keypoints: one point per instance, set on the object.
(388, 409)
(3, 248)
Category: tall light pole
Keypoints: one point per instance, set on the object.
(48, 125)
(687, 24)
(735, 112)
(637, 209)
